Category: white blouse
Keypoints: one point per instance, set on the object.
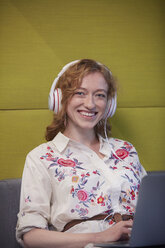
(65, 180)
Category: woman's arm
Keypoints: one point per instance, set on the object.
(39, 238)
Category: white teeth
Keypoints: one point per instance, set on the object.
(87, 114)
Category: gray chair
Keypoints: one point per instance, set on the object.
(9, 207)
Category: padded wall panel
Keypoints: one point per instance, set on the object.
(21, 131)
(38, 37)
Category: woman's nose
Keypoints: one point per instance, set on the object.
(89, 102)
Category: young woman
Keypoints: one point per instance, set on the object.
(80, 187)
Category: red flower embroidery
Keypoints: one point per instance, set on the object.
(49, 154)
(100, 200)
(72, 190)
(111, 222)
(66, 162)
(122, 153)
(128, 146)
(132, 195)
(82, 195)
(127, 207)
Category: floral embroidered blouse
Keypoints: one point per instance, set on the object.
(65, 180)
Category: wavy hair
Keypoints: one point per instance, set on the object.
(69, 81)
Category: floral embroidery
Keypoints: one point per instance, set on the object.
(27, 199)
(66, 162)
(81, 211)
(121, 153)
(60, 174)
(68, 153)
(23, 214)
(129, 209)
(75, 179)
(63, 163)
(96, 172)
(111, 222)
(88, 197)
(72, 190)
(87, 194)
(82, 195)
(113, 167)
(100, 200)
(137, 168)
(128, 145)
(130, 194)
(136, 175)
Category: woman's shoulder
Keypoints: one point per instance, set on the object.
(123, 149)
(50, 148)
(127, 152)
(119, 143)
(43, 148)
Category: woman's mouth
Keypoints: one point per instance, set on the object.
(87, 114)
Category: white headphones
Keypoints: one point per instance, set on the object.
(55, 95)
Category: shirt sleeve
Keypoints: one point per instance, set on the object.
(35, 197)
(138, 166)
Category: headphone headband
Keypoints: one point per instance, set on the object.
(55, 95)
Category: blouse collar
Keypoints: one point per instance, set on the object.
(61, 142)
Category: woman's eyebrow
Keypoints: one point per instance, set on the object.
(102, 90)
(81, 88)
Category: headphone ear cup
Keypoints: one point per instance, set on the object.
(51, 100)
(55, 95)
(111, 107)
(55, 98)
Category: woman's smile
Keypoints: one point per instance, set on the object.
(87, 113)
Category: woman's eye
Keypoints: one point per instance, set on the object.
(80, 93)
(101, 95)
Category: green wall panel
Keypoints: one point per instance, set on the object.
(21, 131)
(37, 37)
(40, 36)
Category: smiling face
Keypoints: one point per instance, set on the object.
(87, 106)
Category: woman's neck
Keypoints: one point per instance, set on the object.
(85, 137)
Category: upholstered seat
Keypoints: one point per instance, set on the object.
(9, 207)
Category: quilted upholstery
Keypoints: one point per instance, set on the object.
(9, 195)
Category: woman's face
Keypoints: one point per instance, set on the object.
(87, 106)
